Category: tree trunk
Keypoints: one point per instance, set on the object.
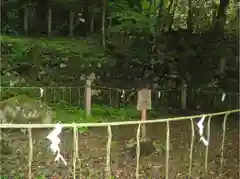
(26, 20)
(31, 11)
(49, 21)
(219, 30)
(41, 16)
(71, 24)
(160, 18)
(168, 16)
(189, 18)
(93, 15)
(21, 14)
(172, 15)
(221, 17)
(86, 17)
(103, 23)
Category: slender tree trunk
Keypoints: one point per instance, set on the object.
(150, 7)
(160, 19)
(31, 11)
(41, 17)
(26, 19)
(103, 23)
(168, 16)
(71, 24)
(49, 21)
(236, 19)
(86, 18)
(214, 16)
(21, 14)
(93, 13)
(219, 30)
(189, 19)
(172, 15)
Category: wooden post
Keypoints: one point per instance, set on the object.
(143, 104)
(143, 118)
(222, 65)
(184, 96)
(110, 98)
(88, 98)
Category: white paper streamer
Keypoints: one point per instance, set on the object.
(123, 93)
(205, 142)
(201, 127)
(223, 96)
(53, 137)
(41, 92)
(159, 94)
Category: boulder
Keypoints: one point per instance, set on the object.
(23, 110)
(20, 109)
(146, 147)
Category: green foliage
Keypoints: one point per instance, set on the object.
(20, 47)
(130, 21)
(162, 43)
(145, 34)
(68, 114)
(75, 57)
(148, 42)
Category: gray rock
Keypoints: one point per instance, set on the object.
(23, 110)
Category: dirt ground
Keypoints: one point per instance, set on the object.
(92, 153)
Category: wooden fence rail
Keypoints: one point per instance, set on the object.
(85, 96)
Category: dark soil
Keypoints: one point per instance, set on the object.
(92, 153)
